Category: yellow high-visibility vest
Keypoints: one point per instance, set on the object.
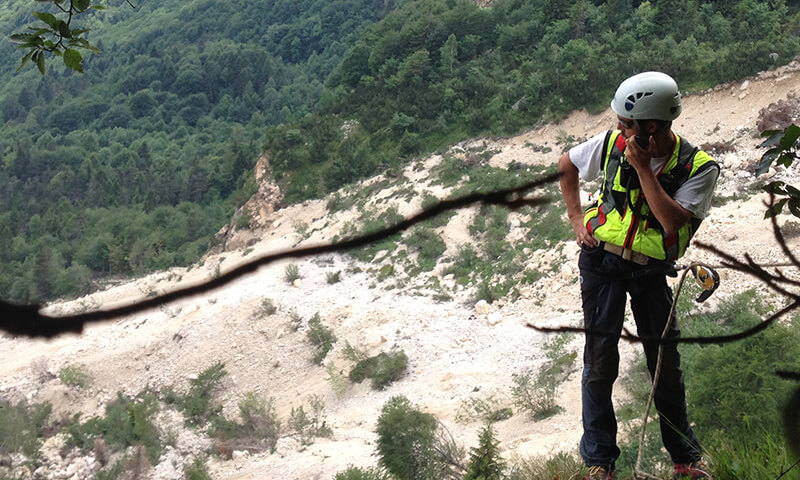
(621, 215)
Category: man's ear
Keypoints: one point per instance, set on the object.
(651, 127)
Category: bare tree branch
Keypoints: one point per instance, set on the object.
(27, 320)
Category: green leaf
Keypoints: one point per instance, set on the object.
(793, 191)
(38, 57)
(47, 18)
(774, 138)
(794, 207)
(790, 136)
(766, 160)
(25, 59)
(73, 60)
(81, 5)
(775, 209)
(774, 187)
(98, 7)
(21, 37)
(63, 29)
(786, 159)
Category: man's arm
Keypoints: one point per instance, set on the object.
(568, 179)
(669, 213)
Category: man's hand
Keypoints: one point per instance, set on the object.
(582, 235)
(639, 157)
(569, 189)
(669, 213)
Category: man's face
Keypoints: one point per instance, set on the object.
(627, 126)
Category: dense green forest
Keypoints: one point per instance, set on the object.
(438, 71)
(134, 165)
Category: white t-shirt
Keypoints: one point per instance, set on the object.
(694, 195)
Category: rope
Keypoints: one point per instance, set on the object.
(637, 470)
(638, 473)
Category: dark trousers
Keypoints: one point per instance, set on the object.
(606, 280)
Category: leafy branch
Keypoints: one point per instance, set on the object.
(783, 150)
(57, 36)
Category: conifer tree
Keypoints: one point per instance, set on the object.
(485, 463)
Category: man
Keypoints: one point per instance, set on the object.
(656, 190)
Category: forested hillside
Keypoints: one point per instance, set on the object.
(437, 71)
(133, 165)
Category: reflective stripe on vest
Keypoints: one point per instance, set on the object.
(622, 216)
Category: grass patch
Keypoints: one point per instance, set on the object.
(74, 376)
(292, 273)
(268, 307)
(333, 277)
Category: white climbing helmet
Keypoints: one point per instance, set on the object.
(648, 96)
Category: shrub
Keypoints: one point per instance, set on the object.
(407, 442)
(567, 141)
(308, 426)
(485, 462)
(486, 408)
(733, 387)
(548, 227)
(385, 271)
(382, 369)
(259, 428)
(450, 170)
(127, 422)
(301, 228)
(292, 273)
(321, 337)
(197, 470)
(428, 245)
(295, 320)
(113, 472)
(197, 403)
(243, 220)
(22, 427)
(338, 202)
(333, 277)
(439, 220)
(336, 379)
(74, 376)
(561, 361)
(355, 473)
(560, 465)
(465, 264)
(268, 307)
(535, 393)
(352, 353)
